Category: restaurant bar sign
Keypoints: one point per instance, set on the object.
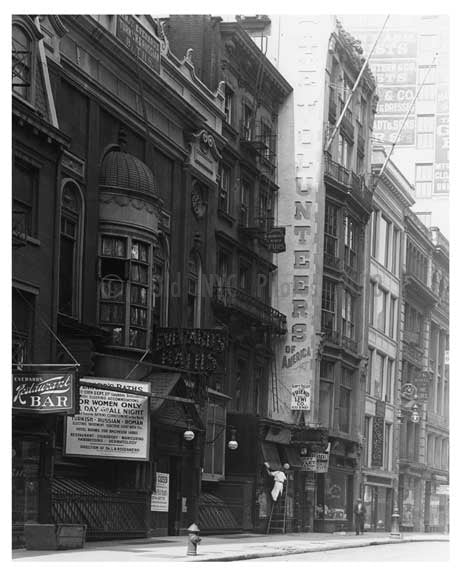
(139, 41)
(197, 350)
(45, 392)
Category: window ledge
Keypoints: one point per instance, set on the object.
(226, 216)
(206, 477)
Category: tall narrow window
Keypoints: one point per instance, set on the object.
(344, 409)
(228, 104)
(374, 233)
(350, 242)
(348, 315)
(331, 230)
(425, 126)
(392, 314)
(389, 380)
(427, 78)
(22, 62)
(423, 180)
(194, 291)
(379, 375)
(384, 236)
(244, 216)
(70, 250)
(395, 251)
(328, 306)
(25, 201)
(381, 309)
(225, 189)
(213, 467)
(23, 306)
(247, 121)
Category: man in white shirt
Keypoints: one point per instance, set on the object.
(279, 480)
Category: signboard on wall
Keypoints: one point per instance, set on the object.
(139, 40)
(386, 128)
(194, 349)
(378, 435)
(45, 392)
(394, 72)
(160, 498)
(395, 100)
(110, 424)
(442, 146)
(301, 396)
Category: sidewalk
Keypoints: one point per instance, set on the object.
(224, 548)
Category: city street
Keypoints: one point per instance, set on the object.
(411, 552)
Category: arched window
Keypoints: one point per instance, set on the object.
(21, 62)
(70, 253)
(194, 290)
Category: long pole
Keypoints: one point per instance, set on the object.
(386, 161)
(359, 77)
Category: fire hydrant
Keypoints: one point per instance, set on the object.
(194, 539)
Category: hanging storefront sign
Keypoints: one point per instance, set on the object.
(275, 240)
(301, 396)
(309, 463)
(110, 424)
(160, 498)
(322, 459)
(45, 392)
(191, 349)
(139, 41)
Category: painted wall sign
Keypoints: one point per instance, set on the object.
(139, 41)
(190, 349)
(394, 72)
(45, 392)
(442, 147)
(395, 100)
(386, 128)
(301, 396)
(160, 498)
(393, 44)
(110, 424)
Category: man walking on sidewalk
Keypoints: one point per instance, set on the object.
(359, 516)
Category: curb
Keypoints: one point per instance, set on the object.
(255, 555)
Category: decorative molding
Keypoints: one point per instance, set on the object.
(123, 200)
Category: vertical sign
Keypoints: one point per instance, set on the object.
(442, 145)
(378, 435)
(160, 498)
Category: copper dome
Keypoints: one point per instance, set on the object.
(122, 170)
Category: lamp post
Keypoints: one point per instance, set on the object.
(409, 397)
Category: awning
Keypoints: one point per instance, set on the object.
(172, 412)
(271, 455)
(279, 436)
(292, 456)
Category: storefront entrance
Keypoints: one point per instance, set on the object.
(378, 504)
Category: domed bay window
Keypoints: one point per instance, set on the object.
(126, 290)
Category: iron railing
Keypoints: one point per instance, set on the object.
(331, 261)
(106, 514)
(243, 302)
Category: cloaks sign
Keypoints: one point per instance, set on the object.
(301, 397)
(44, 392)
